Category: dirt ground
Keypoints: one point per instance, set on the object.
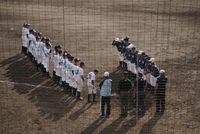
(167, 30)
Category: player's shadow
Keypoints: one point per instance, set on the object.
(96, 124)
(47, 97)
(76, 114)
(112, 126)
(126, 126)
(147, 127)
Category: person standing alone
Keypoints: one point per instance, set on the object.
(159, 92)
(105, 91)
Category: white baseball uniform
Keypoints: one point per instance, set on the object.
(79, 80)
(47, 58)
(91, 76)
(25, 40)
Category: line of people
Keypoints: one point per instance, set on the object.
(141, 71)
(67, 70)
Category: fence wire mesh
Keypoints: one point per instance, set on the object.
(167, 30)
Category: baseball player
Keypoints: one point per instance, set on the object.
(37, 50)
(59, 66)
(117, 43)
(80, 80)
(70, 74)
(63, 74)
(41, 53)
(154, 72)
(25, 37)
(32, 44)
(55, 61)
(75, 72)
(133, 63)
(91, 85)
(47, 53)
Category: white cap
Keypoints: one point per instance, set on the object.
(117, 39)
(152, 60)
(130, 46)
(162, 71)
(106, 74)
(140, 52)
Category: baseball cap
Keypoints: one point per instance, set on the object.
(162, 71)
(152, 60)
(117, 39)
(27, 24)
(140, 52)
(48, 43)
(126, 38)
(82, 63)
(76, 59)
(96, 70)
(106, 74)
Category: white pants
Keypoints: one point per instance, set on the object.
(133, 68)
(63, 75)
(25, 41)
(58, 71)
(128, 65)
(46, 64)
(91, 89)
(39, 58)
(121, 57)
(148, 75)
(79, 85)
(153, 80)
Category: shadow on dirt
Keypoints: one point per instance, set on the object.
(96, 124)
(48, 98)
(147, 127)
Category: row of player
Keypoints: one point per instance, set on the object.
(67, 69)
(136, 61)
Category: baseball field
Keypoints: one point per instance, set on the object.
(168, 30)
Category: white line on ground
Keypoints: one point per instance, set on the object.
(24, 84)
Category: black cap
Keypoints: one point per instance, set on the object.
(43, 38)
(126, 38)
(39, 33)
(82, 63)
(48, 43)
(96, 70)
(37, 37)
(47, 39)
(76, 60)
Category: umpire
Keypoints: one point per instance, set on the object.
(160, 90)
(124, 88)
(140, 84)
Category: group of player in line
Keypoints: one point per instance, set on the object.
(135, 62)
(143, 72)
(67, 69)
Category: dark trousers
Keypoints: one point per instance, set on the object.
(160, 102)
(24, 50)
(124, 100)
(141, 103)
(105, 100)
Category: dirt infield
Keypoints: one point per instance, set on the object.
(167, 30)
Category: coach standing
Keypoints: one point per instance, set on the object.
(124, 88)
(105, 86)
(160, 90)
